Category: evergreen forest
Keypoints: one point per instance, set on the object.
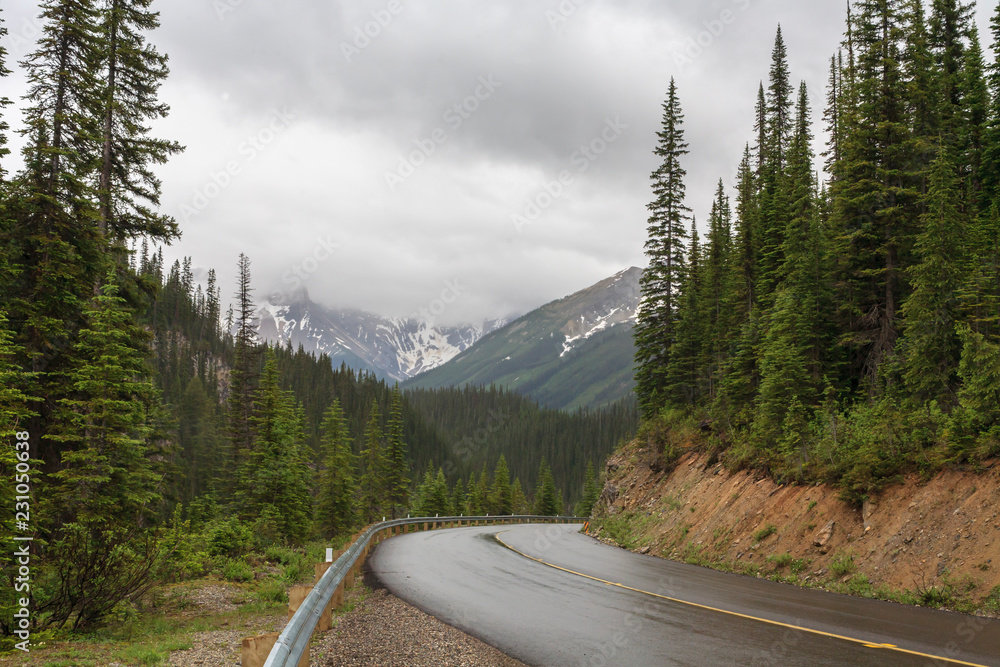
(156, 438)
(839, 324)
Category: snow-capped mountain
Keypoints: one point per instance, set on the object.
(571, 353)
(609, 303)
(389, 347)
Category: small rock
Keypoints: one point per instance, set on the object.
(644, 550)
(822, 538)
(866, 514)
(610, 493)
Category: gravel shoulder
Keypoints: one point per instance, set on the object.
(384, 631)
(377, 630)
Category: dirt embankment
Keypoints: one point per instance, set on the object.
(938, 539)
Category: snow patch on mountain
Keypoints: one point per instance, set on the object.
(391, 347)
(617, 303)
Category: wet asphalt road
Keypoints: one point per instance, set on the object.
(548, 616)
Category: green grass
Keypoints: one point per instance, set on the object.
(780, 561)
(842, 564)
(992, 601)
(167, 619)
(765, 532)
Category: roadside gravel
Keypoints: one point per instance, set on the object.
(380, 631)
(384, 631)
(222, 647)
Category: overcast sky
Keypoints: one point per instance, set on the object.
(379, 152)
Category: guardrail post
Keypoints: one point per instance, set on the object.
(296, 594)
(255, 649)
(337, 601)
(321, 568)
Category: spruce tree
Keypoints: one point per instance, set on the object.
(501, 499)
(458, 499)
(684, 374)
(931, 311)
(972, 130)
(62, 92)
(337, 513)
(546, 497)
(473, 501)
(745, 260)
(990, 164)
(715, 289)
(101, 500)
(981, 291)
(665, 247)
(433, 496)
(949, 26)
(397, 472)
(739, 375)
(101, 428)
(804, 249)
(874, 195)
(482, 494)
(779, 107)
(56, 256)
(591, 492)
(761, 130)
(272, 479)
(242, 378)
(374, 464)
(979, 370)
(518, 499)
(14, 409)
(833, 115)
(132, 72)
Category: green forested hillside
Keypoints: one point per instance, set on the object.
(481, 424)
(532, 356)
(847, 327)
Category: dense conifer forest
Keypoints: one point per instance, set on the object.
(153, 436)
(845, 325)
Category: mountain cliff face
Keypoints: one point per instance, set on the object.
(388, 347)
(571, 353)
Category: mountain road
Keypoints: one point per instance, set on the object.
(550, 595)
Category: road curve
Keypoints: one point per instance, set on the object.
(549, 595)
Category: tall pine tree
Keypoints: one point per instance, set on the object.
(397, 481)
(132, 72)
(374, 466)
(337, 512)
(665, 247)
(931, 311)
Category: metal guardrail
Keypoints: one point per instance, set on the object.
(294, 639)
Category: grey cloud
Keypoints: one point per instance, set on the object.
(356, 117)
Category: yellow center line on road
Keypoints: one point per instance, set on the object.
(853, 640)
